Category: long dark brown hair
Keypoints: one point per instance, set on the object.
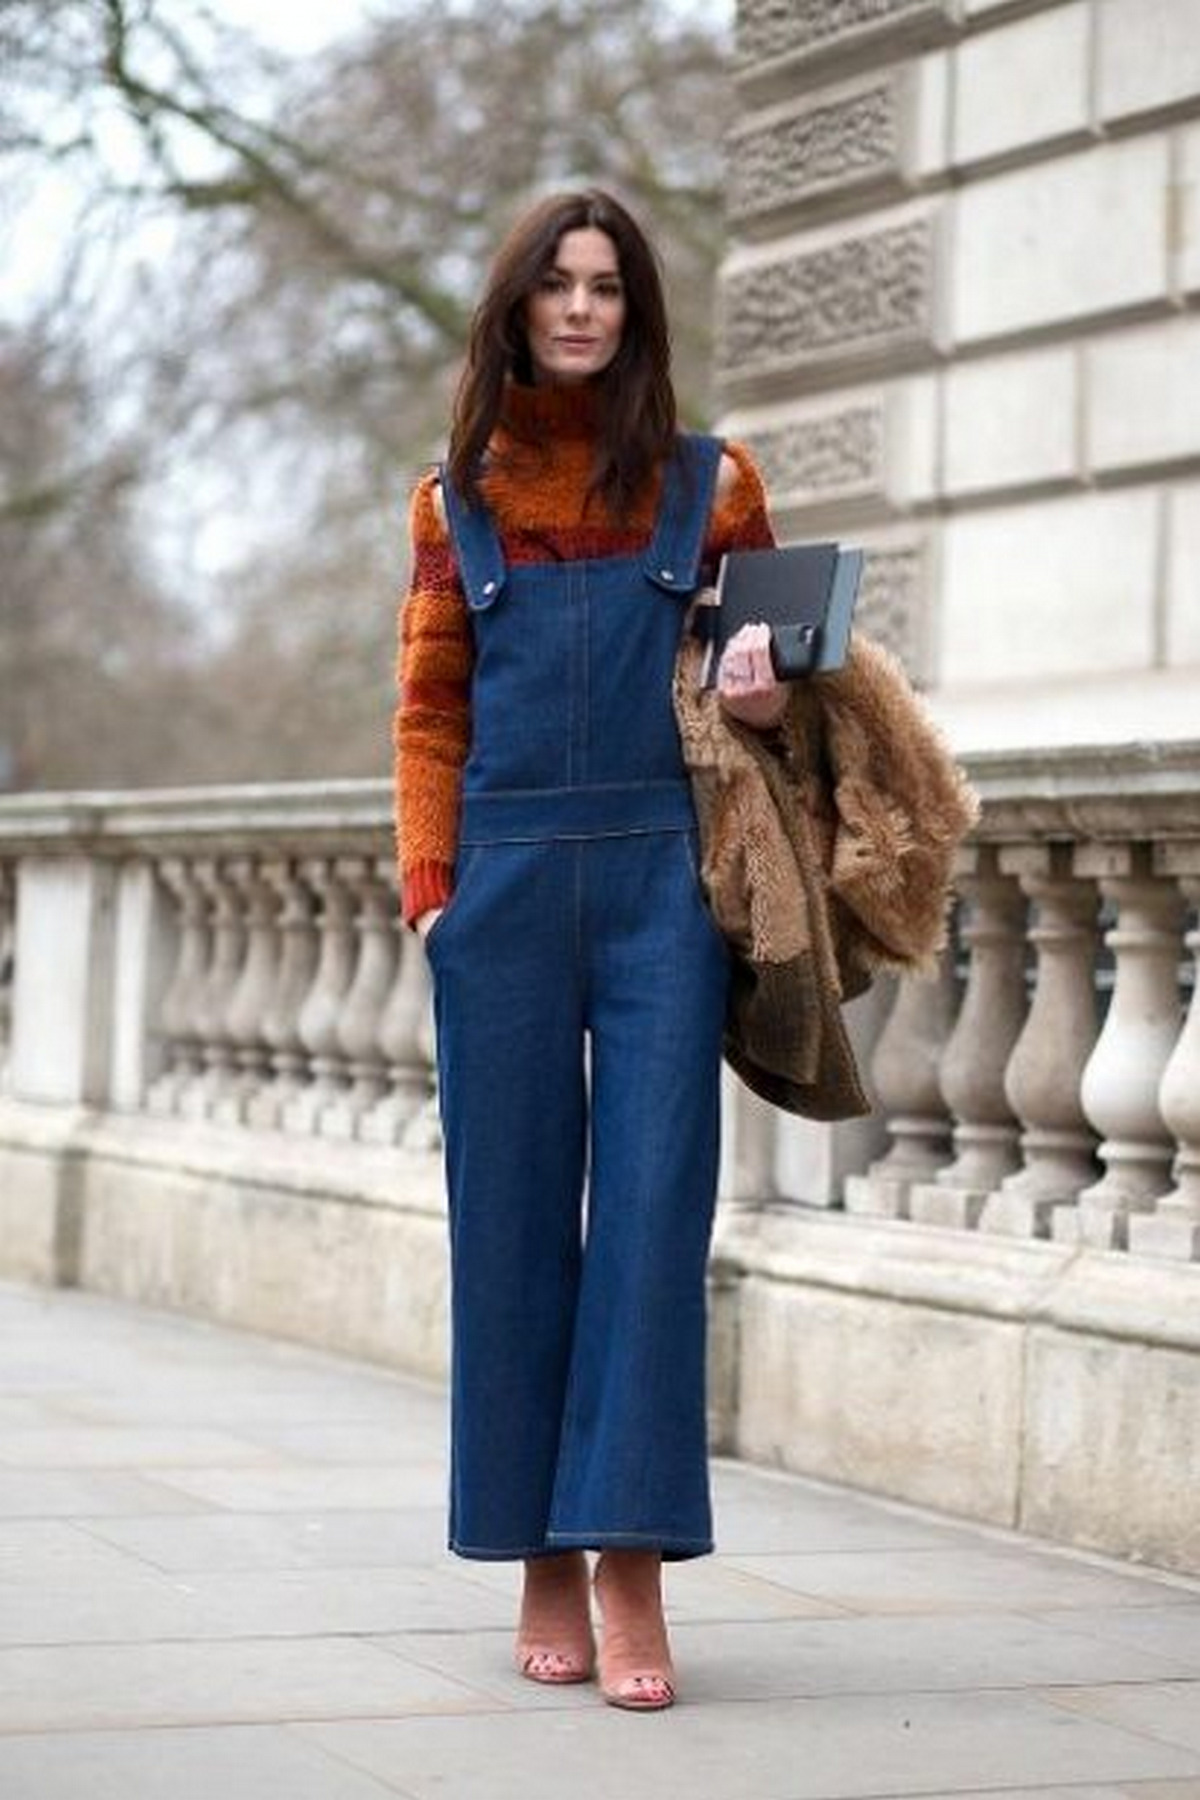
(637, 414)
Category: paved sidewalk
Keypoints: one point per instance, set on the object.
(222, 1578)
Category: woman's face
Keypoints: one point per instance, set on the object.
(575, 316)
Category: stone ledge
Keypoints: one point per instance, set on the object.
(230, 816)
(1103, 1295)
(339, 1245)
(1104, 791)
(352, 1173)
(1029, 1384)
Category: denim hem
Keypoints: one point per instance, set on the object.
(673, 1549)
(482, 1553)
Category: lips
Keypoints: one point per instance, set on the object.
(577, 343)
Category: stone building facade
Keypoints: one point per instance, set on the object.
(958, 321)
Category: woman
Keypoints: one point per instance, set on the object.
(547, 851)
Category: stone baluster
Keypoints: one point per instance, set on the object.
(361, 1013)
(318, 1022)
(1121, 1081)
(402, 1036)
(1173, 1228)
(246, 1013)
(904, 1073)
(177, 1026)
(753, 1143)
(424, 1130)
(1046, 1067)
(295, 969)
(971, 1072)
(211, 1016)
(8, 895)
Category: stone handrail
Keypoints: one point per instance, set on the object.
(233, 954)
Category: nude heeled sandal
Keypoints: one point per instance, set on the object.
(649, 1687)
(537, 1659)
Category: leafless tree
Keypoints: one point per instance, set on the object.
(272, 263)
(87, 640)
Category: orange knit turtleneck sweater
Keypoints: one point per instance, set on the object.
(537, 491)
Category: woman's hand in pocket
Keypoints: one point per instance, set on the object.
(426, 921)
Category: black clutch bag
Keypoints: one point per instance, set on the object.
(804, 592)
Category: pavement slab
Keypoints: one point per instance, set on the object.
(843, 1748)
(69, 1494)
(283, 1540)
(1166, 1710)
(223, 1572)
(974, 1579)
(238, 1762)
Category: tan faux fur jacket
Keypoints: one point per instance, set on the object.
(827, 847)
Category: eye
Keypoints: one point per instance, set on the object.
(608, 290)
(551, 283)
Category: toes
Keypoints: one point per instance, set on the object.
(649, 1691)
(542, 1663)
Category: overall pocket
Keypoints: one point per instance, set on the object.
(691, 850)
(464, 862)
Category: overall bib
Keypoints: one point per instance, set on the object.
(579, 994)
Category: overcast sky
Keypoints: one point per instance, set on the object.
(304, 25)
(295, 25)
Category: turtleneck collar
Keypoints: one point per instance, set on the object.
(560, 411)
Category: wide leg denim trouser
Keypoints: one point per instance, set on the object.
(579, 988)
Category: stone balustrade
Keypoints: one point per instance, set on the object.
(1057, 1095)
(256, 970)
(1045, 1083)
(217, 1092)
(296, 1001)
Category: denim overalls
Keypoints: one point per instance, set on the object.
(580, 988)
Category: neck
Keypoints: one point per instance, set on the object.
(555, 410)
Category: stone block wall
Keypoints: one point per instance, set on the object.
(959, 323)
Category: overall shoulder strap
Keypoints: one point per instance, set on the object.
(477, 547)
(672, 561)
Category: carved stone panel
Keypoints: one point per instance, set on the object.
(870, 293)
(891, 603)
(823, 456)
(771, 28)
(842, 141)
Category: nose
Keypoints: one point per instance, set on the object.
(579, 301)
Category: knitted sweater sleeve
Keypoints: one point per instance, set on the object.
(432, 724)
(739, 519)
